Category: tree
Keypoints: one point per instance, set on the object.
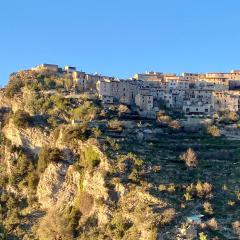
(212, 224)
(203, 189)
(233, 116)
(214, 131)
(47, 155)
(14, 87)
(85, 112)
(115, 125)
(202, 236)
(22, 119)
(96, 132)
(208, 207)
(190, 158)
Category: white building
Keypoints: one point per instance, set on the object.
(198, 108)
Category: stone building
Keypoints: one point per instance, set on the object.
(227, 100)
(144, 101)
(197, 108)
(46, 67)
(123, 91)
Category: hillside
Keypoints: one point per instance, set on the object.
(73, 168)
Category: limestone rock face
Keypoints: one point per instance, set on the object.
(95, 185)
(4, 103)
(69, 190)
(50, 184)
(31, 138)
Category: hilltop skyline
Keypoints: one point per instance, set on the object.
(120, 39)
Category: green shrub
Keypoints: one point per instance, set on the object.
(47, 155)
(49, 83)
(96, 132)
(119, 226)
(32, 179)
(14, 87)
(86, 112)
(115, 125)
(22, 166)
(22, 119)
(73, 216)
(54, 121)
(79, 132)
(90, 158)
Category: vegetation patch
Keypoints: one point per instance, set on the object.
(90, 158)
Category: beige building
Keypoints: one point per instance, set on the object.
(123, 91)
(226, 100)
(46, 67)
(144, 101)
(151, 78)
(191, 77)
(199, 95)
(69, 69)
(176, 84)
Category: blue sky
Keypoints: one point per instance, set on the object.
(120, 37)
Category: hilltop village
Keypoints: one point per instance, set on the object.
(192, 94)
(87, 156)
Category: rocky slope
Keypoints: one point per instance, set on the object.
(71, 170)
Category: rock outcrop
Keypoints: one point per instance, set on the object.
(30, 138)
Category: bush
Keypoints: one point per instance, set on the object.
(54, 121)
(112, 143)
(202, 236)
(119, 226)
(22, 119)
(203, 190)
(90, 158)
(233, 117)
(32, 179)
(47, 155)
(49, 83)
(20, 170)
(73, 217)
(115, 125)
(214, 131)
(212, 224)
(208, 208)
(86, 112)
(123, 109)
(227, 117)
(96, 132)
(79, 132)
(167, 121)
(14, 87)
(190, 158)
(175, 125)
